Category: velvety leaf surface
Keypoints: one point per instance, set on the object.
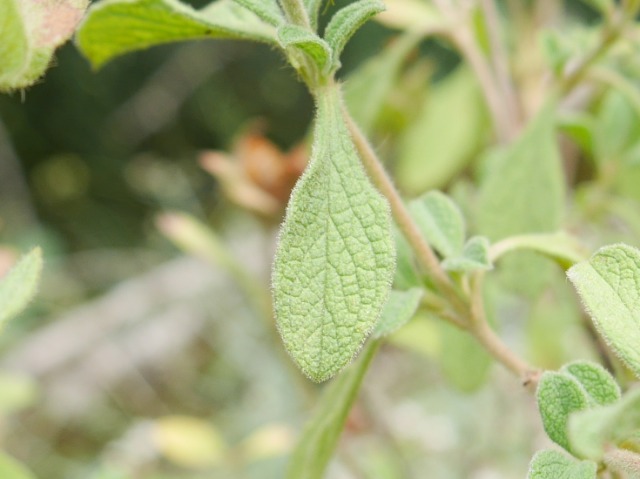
(474, 256)
(609, 286)
(555, 465)
(268, 10)
(308, 42)
(600, 386)
(559, 395)
(115, 27)
(335, 259)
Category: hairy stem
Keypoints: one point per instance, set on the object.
(296, 13)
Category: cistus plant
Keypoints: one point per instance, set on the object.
(535, 142)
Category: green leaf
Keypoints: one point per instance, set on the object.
(12, 469)
(603, 6)
(561, 247)
(311, 455)
(20, 285)
(313, 9)
(549, 464)
(267, 10)
(440, 222)
(440, 141)
(293, 36)
(335, 259)
(608, 285)
(465, 364)
(115, 27)
(615, 128)
(474, 257)
(600, 386)
(558, 395)
(406, 274)
(30, 31)
(346, 22)
(523, 191)
(595, 430)
(399, 309)
(368, 88)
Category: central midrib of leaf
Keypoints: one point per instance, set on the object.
(335, 258)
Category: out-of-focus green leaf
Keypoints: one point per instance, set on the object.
(115, 27)
(336, 256)
(579, 127)
(422, 336)
(600, 386)
(12, 469)
(313, 9)
(367, 89)
(608, 285)
(406, 274)
(440, 222)
(615, 127)
(558, 395)
(189, 442)
(411, 15)
(474, 257)
(549, 464)
(320, 437)
(16, 393)
(561, 247)
(400, 308)
(593, 431)
(442, 140)
(346, 21)
(465, 364)
(20, 285)
(523, 192)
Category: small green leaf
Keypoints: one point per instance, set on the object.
(465, 363)
(293, 36)
(12, 469)
(313, 9)
(596, 430)
(311, 456)
(615, 128)
(115, 27)
(474, 257)
(335, 259)
(608, 286)
(561, 247)
(440, 221)
(600, 386)
(267, 10)
(20, 285)
(558, 395)
(549, 464)
(346, 22)
(399, 309)
(440, 141)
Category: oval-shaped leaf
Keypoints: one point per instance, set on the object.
(600, 386)
(609, 286)
(549, 464)
(346, 22)
(440, 222)
(115, 27)
(20, 285)
(558, 395)
(474, 257)
(399, 309)
(335, 259)
(561, 247)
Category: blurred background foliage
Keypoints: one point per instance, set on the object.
(138, 361)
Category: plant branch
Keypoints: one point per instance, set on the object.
(296, 13)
